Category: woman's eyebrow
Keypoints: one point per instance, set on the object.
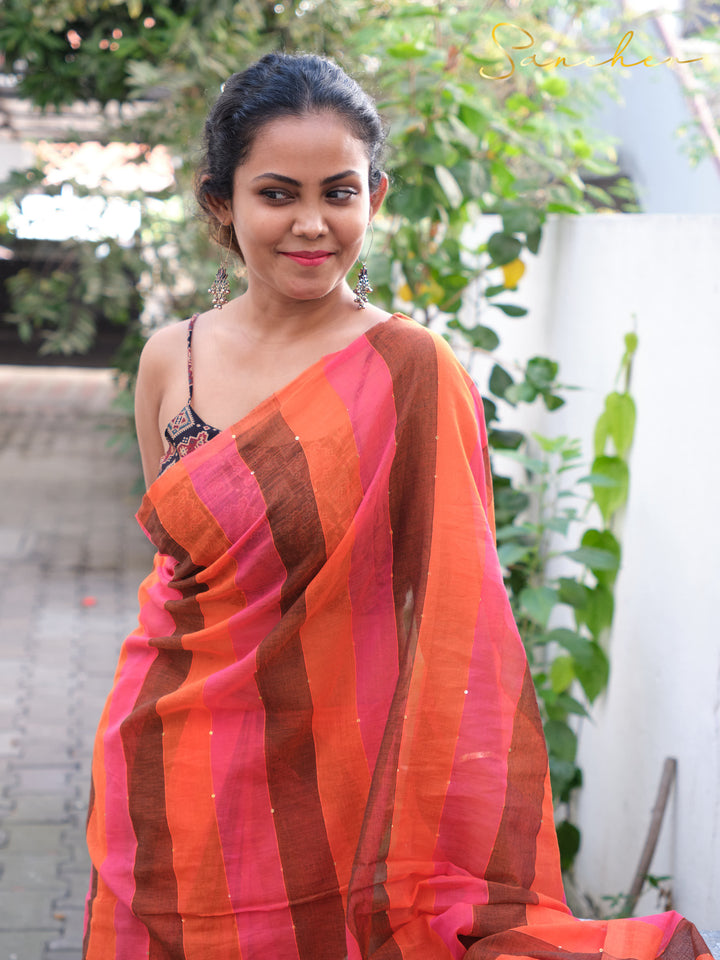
(296, 183)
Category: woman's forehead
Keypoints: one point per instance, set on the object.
(323, 139)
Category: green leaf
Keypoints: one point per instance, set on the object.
(503, 248)
(499, 381)
(562, 674)
(561, 740)
(605, 541)
(508, 503)
(594, 558)
(510, 553)
(484, 338)
(598, 612)
(599, 480)
(521, 220)
(620, 413)
(407, 51)
(602, 432)
(473, 119)
(593, 675)
(552, 401)
(564, 775)
(569, 843)
(510, 309)
(554, 86)
(533, 240)
(538, 603)
(610, 499)
(568, 705)
(450, 186)
(572, 592)
(541, 372)
(489, 410)
(494, 290)
(505, 439)
(521, 393)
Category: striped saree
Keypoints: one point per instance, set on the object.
(322, 741)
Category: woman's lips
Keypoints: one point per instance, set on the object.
(308, 258)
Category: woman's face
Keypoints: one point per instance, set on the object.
(300, 206)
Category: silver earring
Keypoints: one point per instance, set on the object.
(219, 289)
(362, 287)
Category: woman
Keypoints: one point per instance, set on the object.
(322, 740)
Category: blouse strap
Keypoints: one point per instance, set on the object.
(191, 324)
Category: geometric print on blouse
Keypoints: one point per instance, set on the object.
(186, 431)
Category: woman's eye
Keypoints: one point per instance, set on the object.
(342, 193)
(275, 195)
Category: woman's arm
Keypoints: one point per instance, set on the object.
(148, 397)
(160, 392)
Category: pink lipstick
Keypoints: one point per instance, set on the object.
(308, 258)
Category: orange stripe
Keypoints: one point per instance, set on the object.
(322, 425)
(444, 648)
(198, 859)
(102, 937)
(548, 878)
(342, 771)
(188, 521)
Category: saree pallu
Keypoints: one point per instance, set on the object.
(322, 740)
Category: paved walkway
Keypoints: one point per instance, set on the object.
(71, 559)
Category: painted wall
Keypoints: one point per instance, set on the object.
(597, 277)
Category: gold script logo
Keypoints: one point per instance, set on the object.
(615, 60)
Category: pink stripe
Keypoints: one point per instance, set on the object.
(244, 818)
(454, 915)
(133, 937)
(215, 473)
(480, 765)
(666, 922)
(117, 869)
(371, 409)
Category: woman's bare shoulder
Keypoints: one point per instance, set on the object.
(162, 346)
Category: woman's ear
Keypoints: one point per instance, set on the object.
(378, 196)
(221, 209)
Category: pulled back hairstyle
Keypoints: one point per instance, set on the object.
(278, 85)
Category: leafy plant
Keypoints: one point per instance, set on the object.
(562, 596)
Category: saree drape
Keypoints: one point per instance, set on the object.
(322, 740)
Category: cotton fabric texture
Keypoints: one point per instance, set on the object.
(322, 741)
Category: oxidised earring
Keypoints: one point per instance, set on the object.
(362, 287)
(219, 289)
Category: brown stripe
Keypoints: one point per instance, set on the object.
(411, 500)
(414, 373)
(513, 857)
(91, 902)
(185, 612)
(517, 944)
(156, 895)
(282, 473)
(505, 909)
(686, 943)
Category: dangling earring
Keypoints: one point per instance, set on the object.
(362, 287)
(219, 289)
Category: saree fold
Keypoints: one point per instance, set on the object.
(322, 741)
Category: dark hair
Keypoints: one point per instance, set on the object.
(278, 85)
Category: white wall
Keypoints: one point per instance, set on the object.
(596, 278)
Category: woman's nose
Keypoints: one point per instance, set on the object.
(309, 222)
